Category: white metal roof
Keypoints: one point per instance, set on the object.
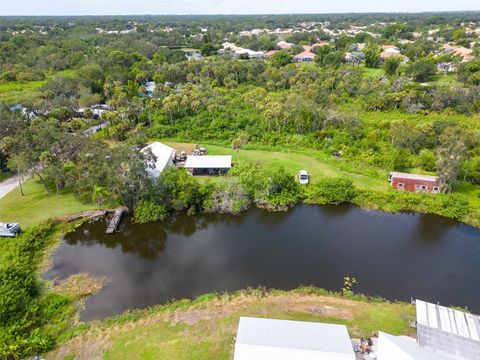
(272, 339)
(413, 176)
(449, 320)
(209, 162)
(392, 347)
(163, 153)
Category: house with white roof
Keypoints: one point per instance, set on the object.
(272, 339)
(208, 164)
(164, 156)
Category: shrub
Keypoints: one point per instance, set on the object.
(146, 211)
(228, 196)
(332, 191)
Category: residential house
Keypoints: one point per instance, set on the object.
(306, 56)
(414, 182)
(150, 88)
(270, 53)
(464, 53)
(389, 51)
(283, 45)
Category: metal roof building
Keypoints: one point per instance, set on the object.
(208, 164)
(391, 347)
(271, 339)
(164, 157)
(448, 331)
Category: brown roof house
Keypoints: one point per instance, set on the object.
(306, 56)
(414, 182)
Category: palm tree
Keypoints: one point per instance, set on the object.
(236, 145)
(99, 193)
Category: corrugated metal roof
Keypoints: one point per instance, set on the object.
(301, 335)
(163, 153)
(449, 320)
(401, 347)
(209, 162)
(401, 175)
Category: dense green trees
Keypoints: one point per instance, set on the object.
(372, 55)
(421, 70)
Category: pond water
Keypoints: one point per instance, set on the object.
(394, 256)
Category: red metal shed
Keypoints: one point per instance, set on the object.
(414, 182)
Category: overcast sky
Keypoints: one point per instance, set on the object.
(131, 7)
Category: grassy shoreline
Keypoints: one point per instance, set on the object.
(204, 328)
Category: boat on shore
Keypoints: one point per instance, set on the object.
(9, 229)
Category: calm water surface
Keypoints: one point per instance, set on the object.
(393, 256)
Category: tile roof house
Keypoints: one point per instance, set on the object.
(306, 56)
(283, 45)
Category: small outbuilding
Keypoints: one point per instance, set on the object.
(208, 164)
(271, 339)
(164, 156)
(414, 182)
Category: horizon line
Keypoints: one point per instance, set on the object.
(248, 14)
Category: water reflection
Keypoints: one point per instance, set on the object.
(394, 256)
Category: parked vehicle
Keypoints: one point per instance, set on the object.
(9, 229)
(303, 177)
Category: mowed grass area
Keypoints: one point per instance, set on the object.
(37, 206)
(316, 164)
(205, 328)
(14, 92)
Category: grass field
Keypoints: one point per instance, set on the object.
(205, 328)
(315, 163)
(37, 206)
(14, 92)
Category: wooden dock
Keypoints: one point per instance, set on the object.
(113, 224)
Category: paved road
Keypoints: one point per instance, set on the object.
(8, 185)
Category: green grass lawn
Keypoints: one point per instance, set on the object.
(14, 92)
(448, 80)
(375, 73)
(206, 329)
(317, 164)
(37, 206)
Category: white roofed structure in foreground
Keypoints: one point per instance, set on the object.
(164, 157)
(271, 339)
(391, 347)
(208, 164)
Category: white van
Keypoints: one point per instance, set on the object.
(303, 177)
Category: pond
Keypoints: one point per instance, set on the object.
(396, 256)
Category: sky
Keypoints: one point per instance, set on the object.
(161, 7)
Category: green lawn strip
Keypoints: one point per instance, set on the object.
(37, 206)
(316, 163)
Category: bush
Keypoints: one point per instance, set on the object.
(146, 211)
(28, 320)
(228, 196)
(332, 191)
